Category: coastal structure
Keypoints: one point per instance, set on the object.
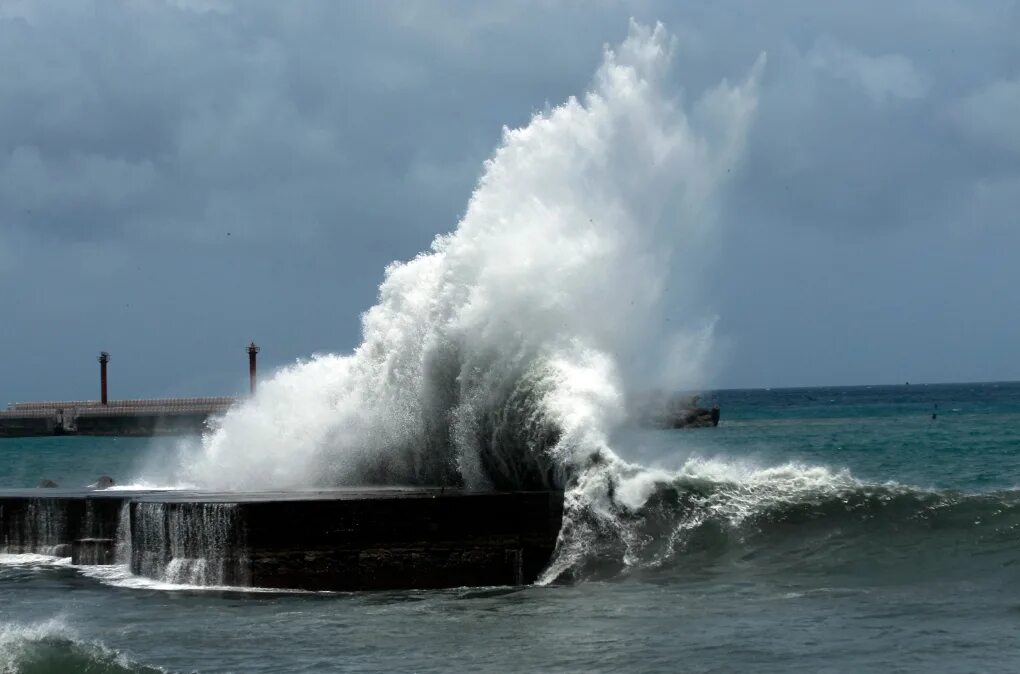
(157, 416)
(657, 410)
(338, 539)
(137, 417)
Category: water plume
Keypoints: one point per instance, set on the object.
(502, 356)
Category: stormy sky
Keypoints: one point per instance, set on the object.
(180, 177)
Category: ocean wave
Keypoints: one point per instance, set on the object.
(52, 646)
(789, 516)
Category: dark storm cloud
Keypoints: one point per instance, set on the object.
(265, 117)
(853, 129)
(178, 177)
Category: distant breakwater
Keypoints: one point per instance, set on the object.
(143, 417)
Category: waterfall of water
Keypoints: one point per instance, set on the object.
(188, 543)
(39, 526)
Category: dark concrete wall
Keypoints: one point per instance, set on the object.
(140, 424)
(443, 541)
(40, 523)
(126, 423)
(419, 539)
(12, 426)
(160, 416)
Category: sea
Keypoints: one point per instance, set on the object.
(834, 529)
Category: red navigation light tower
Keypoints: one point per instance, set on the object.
(103, 359)
(252, 350)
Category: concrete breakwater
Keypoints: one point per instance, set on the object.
(145, 417)
(345, 539)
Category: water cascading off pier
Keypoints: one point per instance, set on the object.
(188, 543)
(348, 539)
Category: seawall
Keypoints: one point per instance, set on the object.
(345, 539)
(143, 417)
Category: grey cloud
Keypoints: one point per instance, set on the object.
(992, 203)
(992, 114)
(882, 77)
(207, 110)
(187, 175)
(72, 192)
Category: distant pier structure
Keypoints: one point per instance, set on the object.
(136, 417)
(674, 411)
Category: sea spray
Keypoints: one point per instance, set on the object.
(502, 356)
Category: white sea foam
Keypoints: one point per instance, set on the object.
(33, 559)
(142, 485)
(119, 575)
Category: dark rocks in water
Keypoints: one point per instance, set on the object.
(676, 412)
(104, 482)
(47, 484)
(696, 417)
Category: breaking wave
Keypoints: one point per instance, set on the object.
(784, 518)
(51, 647)
(503, 357)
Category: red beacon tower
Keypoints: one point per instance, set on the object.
(103, 359)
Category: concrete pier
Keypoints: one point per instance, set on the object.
(144, 417)
(159, 416)
(343, 539)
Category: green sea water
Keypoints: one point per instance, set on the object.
(71, 461)
(873, 538)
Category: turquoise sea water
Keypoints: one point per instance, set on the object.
(876, 538)
(70, 461)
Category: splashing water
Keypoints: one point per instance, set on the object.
(53, 646)
(501, 357)
(197, 544)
